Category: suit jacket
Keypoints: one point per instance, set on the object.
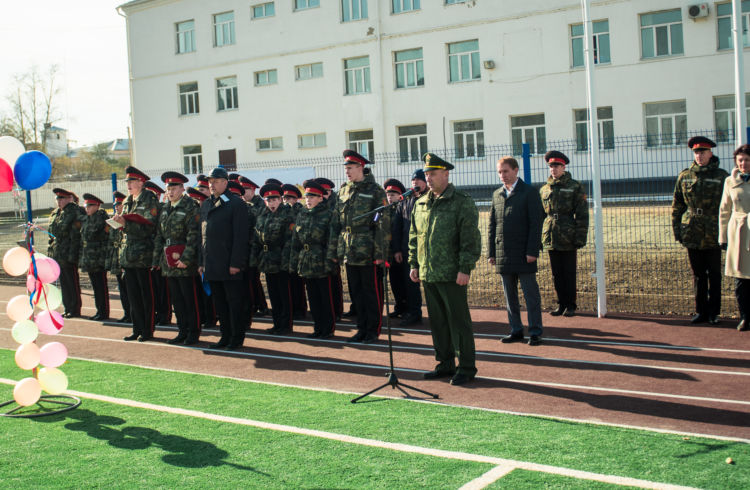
(225, 236)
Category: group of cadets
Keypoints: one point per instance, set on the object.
(199, 252)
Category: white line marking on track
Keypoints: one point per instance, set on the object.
(488, 478)
(410, 370)
(407, 448)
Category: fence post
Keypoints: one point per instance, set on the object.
(526, 156)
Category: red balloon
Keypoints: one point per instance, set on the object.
(6, 176)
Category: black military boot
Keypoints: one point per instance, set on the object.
(559, 311)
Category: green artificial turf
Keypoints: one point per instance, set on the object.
(667, 458)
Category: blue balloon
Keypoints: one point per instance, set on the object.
(32, 170)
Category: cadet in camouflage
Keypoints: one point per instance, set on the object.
(311, 257)
(94, 238)
(65, 247)
(361, 242)
(291, 195)
(337, 287)
(695, 223)
(112, 262)
(271, 252)
(565, 228)
(162, 300)
(444, 246)
(176, 249)
(139, 216)
(257, 205)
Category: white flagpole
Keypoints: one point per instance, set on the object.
(601, 286)
(739, 74)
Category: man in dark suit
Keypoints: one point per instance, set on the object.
(224, 255)
(515, 239)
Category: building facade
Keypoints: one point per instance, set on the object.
(232, 81)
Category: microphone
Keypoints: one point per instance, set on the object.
(407, 193)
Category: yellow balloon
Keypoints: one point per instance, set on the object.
(27, 392)
(25, 331)
(53, 297)
(18, 308)
(16, 261)
(28, 356)
(53, 381)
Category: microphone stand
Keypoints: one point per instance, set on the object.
(393, 380)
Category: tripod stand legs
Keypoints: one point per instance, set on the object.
(394, 383)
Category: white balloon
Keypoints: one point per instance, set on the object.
(10, 149)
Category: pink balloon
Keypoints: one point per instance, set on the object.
(27, 356)
(27, 392)
(45, 323)
(53, 355)
(31, 283)
(48, 270)
(6, 176)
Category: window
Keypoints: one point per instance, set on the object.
(409, 68)
(412, 142)
(405, 6)
(724, 24)
(452, 2)
(357, 74)
(661, 34)
(463, 59)
(468, 138)
(725, 114)
(189, 99)
(362, 142)
(600, 43)
(266, 77)
(353, 10)
(192, 159)
(306, 72)
(226, 93)
(528, 129)
(263, 10)
(666, 123)
(317, 140)
(266, 144)
(605, 125)
(306, 4)
(185, 36)
(224, 29)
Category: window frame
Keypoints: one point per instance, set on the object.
(536, 148)
(315, 143)
(271, 142)
(653, 27)
(460, 64)
(745, 24)
(420, 139)
(596, 42)
(188, 159)
(232, 33)
(461, 150)
(179, 34)
(300, 9)
(731, 113)
(297, 71)
(356, 145)
(363, 8)
(606, 142)
(234, 94)
(418, 65)
(267, 73)
(366, 71)
(265, 10)
(405, 11)
(674, 140)
(190, 97)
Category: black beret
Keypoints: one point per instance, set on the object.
(394, 185)
(270, 190)
(554, 156)
(697, 142)
(312, 186)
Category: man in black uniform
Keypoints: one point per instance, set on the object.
(112, 263)
(394, 189)
(206, 311)
(401, 226)
(225, 238)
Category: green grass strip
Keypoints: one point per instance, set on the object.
(668, 458)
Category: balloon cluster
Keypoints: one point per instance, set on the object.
(31, 170)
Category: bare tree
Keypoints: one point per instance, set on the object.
(33, 106)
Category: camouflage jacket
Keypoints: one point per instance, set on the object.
(567, 221)
(137, 245)
(311, 251)
(444, 238)
(360, 241)
(94, 241)
(112, 261)
(252, 235)
(178, 225)
(258, 204)
(695, 205)
(65, 228)
(271, 249)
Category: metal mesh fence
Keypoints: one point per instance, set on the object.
(646, 270)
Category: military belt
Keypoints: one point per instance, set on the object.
(701, 212)
(556, 216)
(306, 247)
(169, 242)
(265, 248)
(356, 229)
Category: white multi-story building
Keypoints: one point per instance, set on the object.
(230, 81)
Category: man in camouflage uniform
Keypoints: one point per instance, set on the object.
(176, 254)
(444, 246)
(313, 250)
(695, 223)
(337, 287)
(112, 263)
(291, 195)
(271, 253)
(565, 228)
(139, 217)
(162, 300)
(65, 247)
(94, 237)
(361, 242)
(257, 205)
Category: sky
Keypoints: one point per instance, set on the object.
(87, 39)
